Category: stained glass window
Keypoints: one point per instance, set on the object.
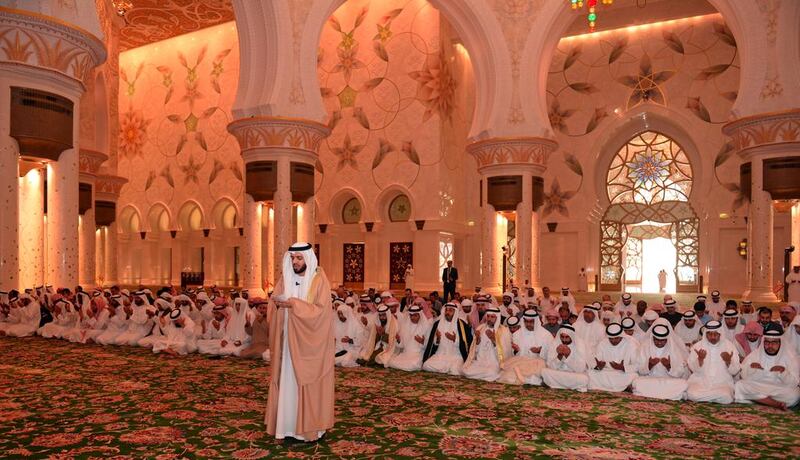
(650, 168)
(351, 213)
(400, 209)
(445, 250)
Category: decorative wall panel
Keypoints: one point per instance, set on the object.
(401, 255)
(353, 265)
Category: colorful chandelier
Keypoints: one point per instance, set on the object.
(592, 5)
(122, 6)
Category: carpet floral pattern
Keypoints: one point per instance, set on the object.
(62, 400)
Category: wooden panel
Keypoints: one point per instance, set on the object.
(105, 212)
(504, 192)
(782, 177)
(401, 255)
(744, 179)
(353, 265)
(41, 122)
(302, 181)
(538, 192)
(85, 199)
(261, 179)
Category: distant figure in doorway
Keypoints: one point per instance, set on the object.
(662, 281)
(583, 282)
(793, 281)
(409, 277)
(449, 278)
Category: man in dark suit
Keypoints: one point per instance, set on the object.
(449, 278)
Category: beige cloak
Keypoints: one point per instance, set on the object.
(310, 327)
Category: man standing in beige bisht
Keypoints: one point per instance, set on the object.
(301, 387)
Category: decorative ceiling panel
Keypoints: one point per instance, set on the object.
(153, 20)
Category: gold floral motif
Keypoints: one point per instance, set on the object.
(524, 150)
(762, 130)
(261, 132)
(41, 41)
(108, 188)
(89, 161)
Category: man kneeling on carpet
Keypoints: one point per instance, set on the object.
(770, 373)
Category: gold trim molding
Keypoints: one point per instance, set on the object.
(41, 41)
(108, 188)
(533, 151)
(279, 132)
(764, 130)
(89, 161)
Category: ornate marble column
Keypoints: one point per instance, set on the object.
(106, 195)
(9, 212)
(62, 220)
(759, 139)
(306, 224)
(89, 164)
(31, 228)
(518, 158)
(251, 251)
(524, 234)
(269, 147)
(48, 56)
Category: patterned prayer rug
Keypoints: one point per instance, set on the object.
(63, 400)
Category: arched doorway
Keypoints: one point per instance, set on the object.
(649, 225)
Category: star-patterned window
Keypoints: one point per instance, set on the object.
(163, 221)
(650, 168)
(229, 217)
(351, 213)
(196, 219)
(400, 209)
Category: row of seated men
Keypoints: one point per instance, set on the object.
(176, 324)
(737, 356)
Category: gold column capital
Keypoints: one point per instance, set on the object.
(531, 152)
(764, 130)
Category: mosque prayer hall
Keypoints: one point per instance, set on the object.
(370, 229)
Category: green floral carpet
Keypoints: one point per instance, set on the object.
(62, 400)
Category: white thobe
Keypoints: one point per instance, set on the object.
(50, 330)
(715, 309)
(728, 333)
(181, 340)
(762, 383)
(525, 368)
(583, 283)
(608, 378)
(447, 359)
(210, 342)
(686, 335)
(28, 321)
(591, 334)
(660, 382)
(546, 303)
(139, 325)
(486, 364)
(713, 381)
(793, 281)
(348, 353)
(287, 397)
(71, 324)
(235, 329)
(96, 326)
(117, 325)
(78, 333)
(568, 373)
(408, 353)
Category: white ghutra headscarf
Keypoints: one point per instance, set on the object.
(290, 279)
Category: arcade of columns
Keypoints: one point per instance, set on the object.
(279, 118)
